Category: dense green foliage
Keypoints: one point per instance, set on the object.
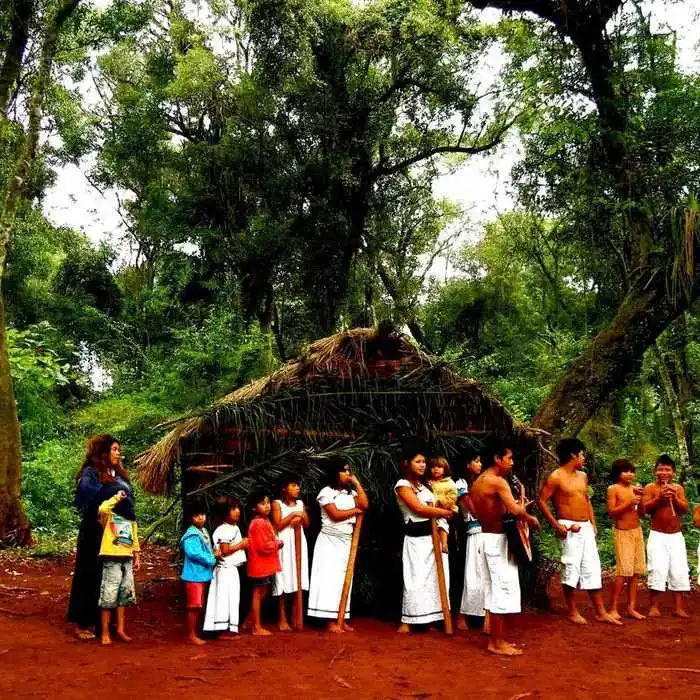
(276, 164)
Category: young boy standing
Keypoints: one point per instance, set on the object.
(666, 554)
(575, 525)
(624, 499)
(119, 551)
(492, 499)
(198, 568)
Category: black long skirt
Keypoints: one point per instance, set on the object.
(85, 590)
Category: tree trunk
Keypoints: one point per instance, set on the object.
(674, 406)
(613, 357)
(21, 13)
(13, 522)
(14, 528)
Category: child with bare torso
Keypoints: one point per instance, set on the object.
(624, 508)
(491, 499)
(575, 525)
(666, 553)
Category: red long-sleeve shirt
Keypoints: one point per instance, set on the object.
(263, 549)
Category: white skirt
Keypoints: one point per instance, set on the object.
(421, 593)
(286, 580)
(223, 600)
(331, 555)
(473, 591)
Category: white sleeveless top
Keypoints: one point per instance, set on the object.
(423, 494)
(343, 500)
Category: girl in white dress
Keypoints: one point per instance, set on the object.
(288, 515)
(421, 594)
(473, 592)
(225, 589)
(341, 500)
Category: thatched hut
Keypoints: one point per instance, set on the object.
(358, 394)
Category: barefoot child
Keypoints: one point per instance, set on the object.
(624, 509)
(224, 596)
(198, 567)
(440, 482)
(263, 555)
(119, 551)
(666, 553)
(575, 525)
(288, 516)
(342, 499)
(492, 499)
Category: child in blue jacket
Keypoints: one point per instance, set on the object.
(197, 570)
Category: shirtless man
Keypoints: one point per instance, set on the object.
(666, 554)
(575, 525)
(491, 499)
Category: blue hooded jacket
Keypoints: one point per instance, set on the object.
(199, 558)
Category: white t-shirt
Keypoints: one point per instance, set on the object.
(423, 494)
(229, 534)
(343, 500)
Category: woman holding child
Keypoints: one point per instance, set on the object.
(102, 465)
(421, 594)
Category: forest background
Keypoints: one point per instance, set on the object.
(280, 170)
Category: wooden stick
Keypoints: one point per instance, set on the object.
(349, 570)
(299, 617)
(444, 602)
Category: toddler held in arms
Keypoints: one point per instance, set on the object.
(444, 489)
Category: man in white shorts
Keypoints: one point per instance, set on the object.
(667, 559)
(567, 486)
(491, 499)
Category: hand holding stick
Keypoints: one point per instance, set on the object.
(350, 569)
(444, 601)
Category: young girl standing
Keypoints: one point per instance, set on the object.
(421, 594)
(473, 592)
(225, 590)
(288, 517)
(341, 500)
(263, 555)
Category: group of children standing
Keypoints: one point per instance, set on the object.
(269, 551)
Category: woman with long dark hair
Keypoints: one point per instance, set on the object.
(102, 465)
(421, 603)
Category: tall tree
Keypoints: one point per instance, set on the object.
(661, 270)
(13, 522)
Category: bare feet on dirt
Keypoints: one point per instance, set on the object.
(609, 619)
(261, 632)
(347, 628)
(105, 641)
(197, 641)
(334, 627)
(654, 612)
(461, 624)
(615, 615)
(122, 636)
(636, 615)
(681, 613)
(504, 649)
(284, 627)
(403, 628)
(577, 618)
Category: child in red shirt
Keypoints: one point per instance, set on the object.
(263, 555)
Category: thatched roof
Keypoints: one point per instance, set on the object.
(339, 390)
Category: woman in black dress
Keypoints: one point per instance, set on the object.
(102, 465)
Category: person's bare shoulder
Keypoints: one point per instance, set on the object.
(612, 489)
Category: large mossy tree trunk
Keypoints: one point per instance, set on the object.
(14, 527)
(614, 356)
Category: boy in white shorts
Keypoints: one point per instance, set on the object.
(667, 559)
(567, 486)
(491, 499)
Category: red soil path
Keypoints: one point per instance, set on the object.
(39, 657)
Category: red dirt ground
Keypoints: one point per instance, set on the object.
(39, 657)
